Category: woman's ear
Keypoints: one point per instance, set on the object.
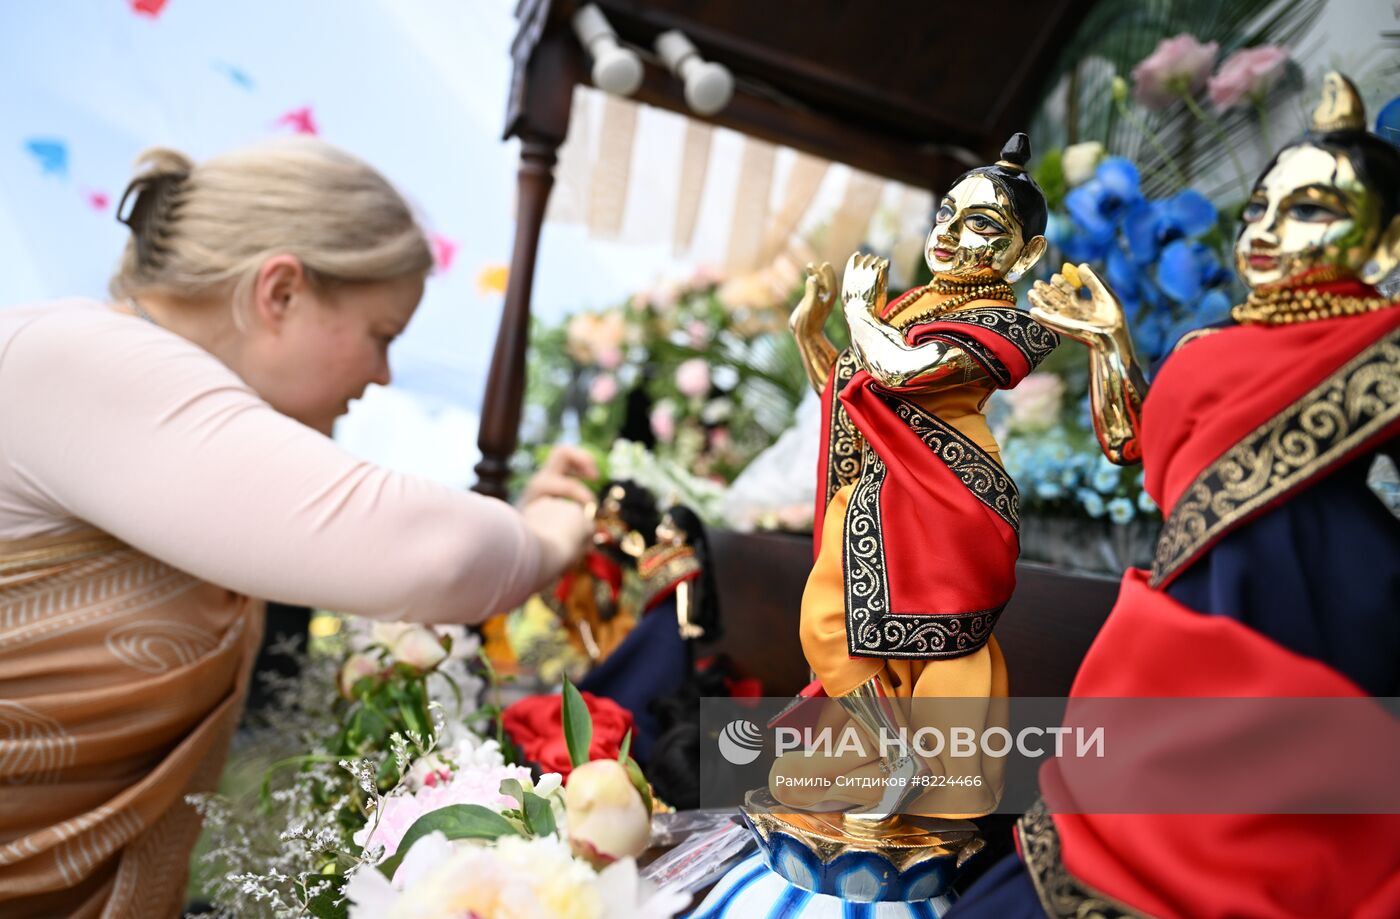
(277, 283)
(1030, 254)
(1387, 255)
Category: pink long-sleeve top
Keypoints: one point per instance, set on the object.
(108, 421)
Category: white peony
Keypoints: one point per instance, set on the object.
(511, 879)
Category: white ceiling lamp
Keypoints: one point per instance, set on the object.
(616, 69)
(708, 86)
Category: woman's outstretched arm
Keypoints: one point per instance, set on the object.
(142, 434)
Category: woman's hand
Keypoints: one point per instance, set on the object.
(553, 506)
(1057, 305)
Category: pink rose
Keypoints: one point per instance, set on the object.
(1178, 65)
(1248, 74)
(603, 388)
(693, 377)
(663, 423)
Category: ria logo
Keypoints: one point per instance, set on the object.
(740, 742)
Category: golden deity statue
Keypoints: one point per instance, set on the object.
(916, 520)
(1318, 230)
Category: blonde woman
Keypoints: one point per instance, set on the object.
(165, 468)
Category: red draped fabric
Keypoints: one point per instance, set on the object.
(929, 568)
(1266, 866)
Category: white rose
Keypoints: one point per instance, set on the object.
(607, 818)
(1080, 161)
(419, 647)
(388, 633)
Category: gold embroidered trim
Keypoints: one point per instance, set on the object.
(844, 443)
(872, 629)
(982, 475)
(1348, 408)
(1033, 340)
(1062, 895)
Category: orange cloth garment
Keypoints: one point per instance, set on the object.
(121, 681)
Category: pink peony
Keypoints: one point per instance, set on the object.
(1248, 74)
(603, 388)
(663, 423)
(1178, 65)
(477, 785)
(693, 377)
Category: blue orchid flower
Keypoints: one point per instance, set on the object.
(1097, 207)
(1187, 269)
(1151, 226)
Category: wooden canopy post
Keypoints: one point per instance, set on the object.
(547, 68)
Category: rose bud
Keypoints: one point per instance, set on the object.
(607, 819)
(356, 668)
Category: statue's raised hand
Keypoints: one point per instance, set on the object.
(808, 318)
(865, 282)
(1057, 304)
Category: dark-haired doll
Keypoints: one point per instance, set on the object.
(916, 521)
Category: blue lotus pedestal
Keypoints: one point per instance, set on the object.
(815, 866)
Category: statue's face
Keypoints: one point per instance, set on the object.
(1309, 211)
(975, 232)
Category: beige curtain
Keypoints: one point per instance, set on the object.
(641, 175)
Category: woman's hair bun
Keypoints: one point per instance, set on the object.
(159, 173)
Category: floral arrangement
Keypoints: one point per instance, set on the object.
(698, 378)
(408, 808)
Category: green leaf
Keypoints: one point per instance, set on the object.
(578, 724)
(329, 904)
(623, 753)
(513, 788)
(539, 816)
(455, 821)
(639, 781)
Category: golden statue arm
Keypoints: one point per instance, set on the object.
(808, 324)
(897, 365)
(1116, 382)
(881, 348)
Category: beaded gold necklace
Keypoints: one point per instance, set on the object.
(959, 293)
(1285, 305)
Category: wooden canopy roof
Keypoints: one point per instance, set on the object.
(911, 91)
